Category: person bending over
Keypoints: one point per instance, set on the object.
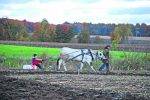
(36, 62)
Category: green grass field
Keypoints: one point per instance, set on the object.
(16, 55)
(25, 52)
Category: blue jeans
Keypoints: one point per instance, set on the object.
(103, 66)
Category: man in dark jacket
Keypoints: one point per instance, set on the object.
(106, 60)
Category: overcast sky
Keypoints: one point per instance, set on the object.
(94, 11)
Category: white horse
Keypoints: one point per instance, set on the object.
(80, 55)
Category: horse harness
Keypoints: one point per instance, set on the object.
(91, 54)
(83, 54)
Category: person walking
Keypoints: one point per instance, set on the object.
(105, 61)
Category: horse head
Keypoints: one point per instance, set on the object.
(100, 55)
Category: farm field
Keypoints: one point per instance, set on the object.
(64, 86)
(74, 87)
(16, 56)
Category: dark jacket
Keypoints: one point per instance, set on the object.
(106, 54)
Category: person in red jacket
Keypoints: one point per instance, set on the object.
(36, 62)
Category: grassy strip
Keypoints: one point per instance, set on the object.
(18, 55)
(27, 52)
(12, 51)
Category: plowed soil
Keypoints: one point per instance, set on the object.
(74, 87)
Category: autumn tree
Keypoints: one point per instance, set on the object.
(84, 36)
(121, 32)
(64, 33)
(4, 29)
(22, 34)
(43, 31)
(12, 29)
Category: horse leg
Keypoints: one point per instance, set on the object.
(91, 66)
(80, 68)
(64, 64)
(59, 63)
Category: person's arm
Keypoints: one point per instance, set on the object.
(39, 60)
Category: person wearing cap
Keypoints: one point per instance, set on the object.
(106, 60)
(36, 62)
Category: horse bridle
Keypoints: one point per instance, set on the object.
(97, 56)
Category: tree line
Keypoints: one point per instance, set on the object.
(11, 29)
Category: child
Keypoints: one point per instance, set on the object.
(36, 62)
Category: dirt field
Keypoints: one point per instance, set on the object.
(74, 87)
